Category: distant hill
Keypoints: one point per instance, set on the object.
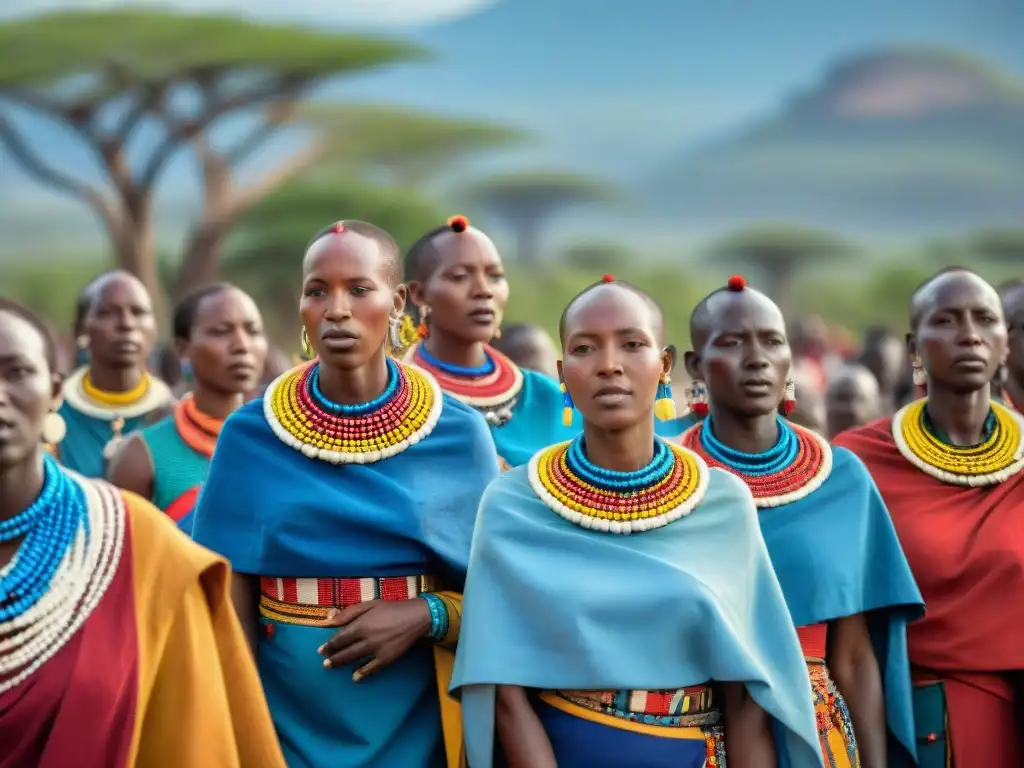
(896, 140)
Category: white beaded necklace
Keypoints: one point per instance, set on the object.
(34, 637)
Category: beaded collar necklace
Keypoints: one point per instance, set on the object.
(997, 458)
(72, 536)
(301, 417)
(668, 488)
(83, 396)
(796, 466)
(196, 429)
(492, 388)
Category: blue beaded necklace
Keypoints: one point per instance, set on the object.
(49, 526)
(775, 459)
(394, 382)
(465, 371)
(660, 466)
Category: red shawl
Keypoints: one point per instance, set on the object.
(965, 547)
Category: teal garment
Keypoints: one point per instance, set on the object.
(552, 605)
(674, 428)
(81, 450)
(536, 421)
(177, 468)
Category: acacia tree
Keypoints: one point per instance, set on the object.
(778, 252)
(104, 75)
(528, 201)
(1000, 246)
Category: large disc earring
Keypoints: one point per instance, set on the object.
(54, 428)
(307, 348)
(918, 374)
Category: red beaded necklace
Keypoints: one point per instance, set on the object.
(198, 430)
(499, 385)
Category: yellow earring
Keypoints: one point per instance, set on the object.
(665, 406)
(307, 348)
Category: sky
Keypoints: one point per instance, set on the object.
(609, 87)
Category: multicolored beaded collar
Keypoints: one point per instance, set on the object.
(72, 538)
(795, 467)
(999, 457)
(668, 488)
(196, 429)
(82, 395)
(493, 388)
(301, 417)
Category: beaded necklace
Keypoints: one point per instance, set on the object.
(196, 429)
(301, 417)
(997, 458)
(72, 537)
(796, 466)
(492, 388)
(575, 488)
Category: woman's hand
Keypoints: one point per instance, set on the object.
(379, 630)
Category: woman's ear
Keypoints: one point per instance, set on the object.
(668, 359)
(558, 365)
(401, 296)
(57, 390)
(414, 292)
(911, 346)
(694, 366)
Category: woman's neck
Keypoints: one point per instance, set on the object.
(114, 379)
(218, 405)
(20, 485)
(355, 386)
(960, 415)
(747, 434)
(621, 450)
(454, 351)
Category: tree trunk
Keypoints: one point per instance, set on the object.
(135, 247)
(200, 262)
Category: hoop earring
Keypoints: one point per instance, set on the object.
(423, 330)
(307, 348)
(54, 428)
(697, 398)
(664, 405)
(789, 399)
(567, 406)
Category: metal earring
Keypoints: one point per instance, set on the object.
(395, 333)
(307, 348)
(919, 376)
(54, 428)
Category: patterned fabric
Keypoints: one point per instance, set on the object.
(835, 726)
(308, 601)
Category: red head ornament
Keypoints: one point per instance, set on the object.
(338, 228)
(736, 283)
(608, 278)
(458, 223)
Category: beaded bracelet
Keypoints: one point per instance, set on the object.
(438, 617)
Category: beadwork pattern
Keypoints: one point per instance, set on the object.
(80, 524)
(493, 389)
(618, 502)
(196, 429)
(303, 419)
(999, 457)
(796, 466)
(84, 397)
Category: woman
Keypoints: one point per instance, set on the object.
(219, 337)
(833, 547)
(581, 647)
(360, 487)
(458, 285)
(949, 469)
(1013, 307)
(110, 622)
(113, 394)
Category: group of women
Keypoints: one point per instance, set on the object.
(438, 558)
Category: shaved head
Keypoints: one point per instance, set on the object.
(657, 317)
(703, 317)
(935, 286)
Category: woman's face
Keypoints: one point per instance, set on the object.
(120, 324)
(612, 359)
(745, 357)
(466, 290)
(227, 347)
(28, 390)
(960, 336)
(348, 299)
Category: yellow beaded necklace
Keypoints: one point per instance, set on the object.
(116, 399)
(996, 459)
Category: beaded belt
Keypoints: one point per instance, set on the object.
(681, 707)
(308, 601)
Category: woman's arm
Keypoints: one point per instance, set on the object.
(132, 468)
(520, 734)
(245, 590)
(748, 734)
(854, 669)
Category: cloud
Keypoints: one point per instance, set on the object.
(382, 13)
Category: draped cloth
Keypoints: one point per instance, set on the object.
(551, 605)
(965, 547)
(274, 512)
(836, 554)
(159, 674)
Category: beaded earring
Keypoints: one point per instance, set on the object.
(395, 333)
(408, 334)
(307, 348)
(54, 428)
(919, 376)
(697, 398)
(789, 399)
(664, 405)
(567, 406)
(422, 330)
